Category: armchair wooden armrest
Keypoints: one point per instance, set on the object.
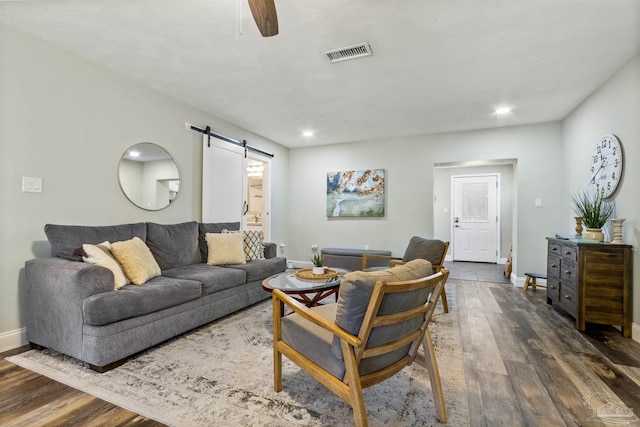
(367, 256)
(280, 297)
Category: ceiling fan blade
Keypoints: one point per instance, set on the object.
(264, 13)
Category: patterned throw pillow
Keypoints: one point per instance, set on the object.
(101, 255)
(253, 248)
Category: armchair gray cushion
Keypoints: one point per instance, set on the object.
(429, 249)
(174, 245)
(65, 239)
(356, 289)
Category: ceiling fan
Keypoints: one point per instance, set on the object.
(264, 13)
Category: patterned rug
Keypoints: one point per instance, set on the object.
(221, 375)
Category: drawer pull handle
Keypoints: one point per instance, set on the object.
(554, 266)
(567, 297)
(567, 253)
(552, 286)
(554, 249)
(567, 272)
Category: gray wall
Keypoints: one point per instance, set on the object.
(613, 108)
(68, 121)
(409, 164)
(442, 201)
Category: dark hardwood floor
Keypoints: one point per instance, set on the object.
(28, 399)
(525, 365)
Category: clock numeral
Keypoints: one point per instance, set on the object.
(594, 159)
(614, 149)
(613, 176)
(608, 186)
(617, 162)
(598, 149)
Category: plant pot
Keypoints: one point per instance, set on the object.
(317, 270)
(593, 234)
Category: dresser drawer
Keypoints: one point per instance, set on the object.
(553, 289)
(568, 272)
(569, 253)
(553, 265)
(568, 299)
(555, 249)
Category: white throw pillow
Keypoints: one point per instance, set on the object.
(136, 259)
(225, 248)
(101, 255)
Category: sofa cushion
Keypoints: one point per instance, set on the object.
(212, 227)
(136, 260)
(261, 269)
(174, 245)
(101, 255)
(213, 278)
(65, 239)
(133, 301)
(357, 287)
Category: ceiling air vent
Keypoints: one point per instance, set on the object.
(350, 52)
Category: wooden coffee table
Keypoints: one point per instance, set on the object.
(307, 291)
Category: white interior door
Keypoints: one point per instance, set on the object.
(223, 182)
(475, 219)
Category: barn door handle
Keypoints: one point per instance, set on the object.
(245, 208)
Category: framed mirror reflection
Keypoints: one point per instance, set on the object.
(148, 176)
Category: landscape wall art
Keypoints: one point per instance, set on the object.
(355, 193)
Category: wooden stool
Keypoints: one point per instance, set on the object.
(531, 280)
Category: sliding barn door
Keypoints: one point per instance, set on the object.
(223, 181)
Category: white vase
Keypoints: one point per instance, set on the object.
(593, 234)
(317, 270)
(617, 231)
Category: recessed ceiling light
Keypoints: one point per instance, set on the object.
(307, 133)
(133, 153)
(503, 110)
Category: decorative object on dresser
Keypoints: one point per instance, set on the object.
(595, 212)
(617, 231)
(590, 281)
(579, 226)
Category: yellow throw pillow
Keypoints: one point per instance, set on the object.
(136, 260)
(225, 248)
(101, 255)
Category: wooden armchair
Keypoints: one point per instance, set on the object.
(433, 251)
(348, 346)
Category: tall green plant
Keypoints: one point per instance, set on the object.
(594, 210)
(317, 260)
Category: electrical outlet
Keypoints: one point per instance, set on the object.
(366, 247)
(314, 247)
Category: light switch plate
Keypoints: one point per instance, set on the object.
(31, 184)
(538, 203)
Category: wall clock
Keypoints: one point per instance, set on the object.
(606, 165)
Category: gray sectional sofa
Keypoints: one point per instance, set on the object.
(73, 307)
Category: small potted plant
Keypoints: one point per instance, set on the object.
(318, 263)
(595, 212)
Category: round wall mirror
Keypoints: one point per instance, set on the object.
(149, 176)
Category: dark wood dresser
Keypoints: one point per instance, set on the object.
(590, 281)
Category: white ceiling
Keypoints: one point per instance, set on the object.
(437, 65)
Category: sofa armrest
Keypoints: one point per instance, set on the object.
(270, 250)
(56, 289)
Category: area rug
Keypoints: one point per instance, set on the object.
(221, 375)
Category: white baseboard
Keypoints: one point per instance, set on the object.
(13, 339)
(635, 332)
